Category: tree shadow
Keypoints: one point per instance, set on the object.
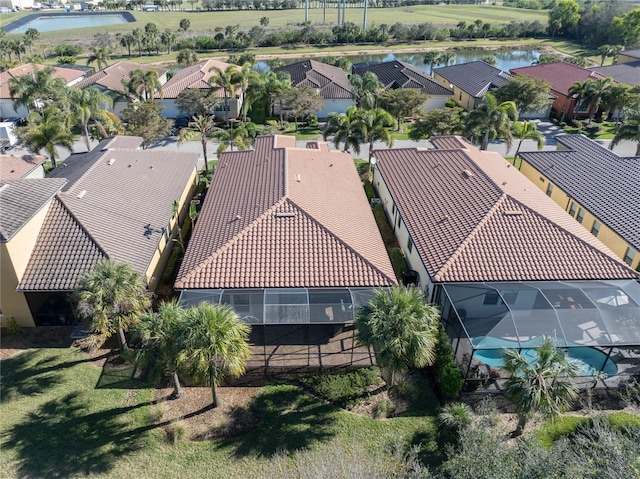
(60, 439)
(290, 420)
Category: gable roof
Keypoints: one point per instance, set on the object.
(69, 75)
(195, 77)
(330, 81)
(21, 199)
(632, 53)
(110, 78)
(606, 184)
(489, 223)
(117, 204)
(13, 166)
(628, 73)
(280, 216)
(560, 75)
(475, 78)
(397, 74)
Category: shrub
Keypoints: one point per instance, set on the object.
(384, 408)
(176, 433)
(448, 374)
(397, 258)
(559, 427)
(386, 231)
(68, 50)
(368, 187)
(12, 326)
(450, 104)
(456, 416)
(66, 60)
(622, 420)
(311, 121)
(343, 388)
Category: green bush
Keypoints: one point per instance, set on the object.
(622, 419)
(311, 121)
(343, 388)
(384, 408)
(448, 374)
(561, 426)
(12, 326)
(386, 231)
(368, 188)
(399, 263)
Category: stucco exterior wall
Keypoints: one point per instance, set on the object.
(171, 110)
(334, 105)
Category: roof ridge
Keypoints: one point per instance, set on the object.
(81, 226)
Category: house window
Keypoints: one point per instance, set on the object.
(549, 189)
(393, 209)
(399, 221)
(595, 229)
(580, 216)
(573, 208)
(541, 179)
(410, 245)
(630, 255)
(582, 107)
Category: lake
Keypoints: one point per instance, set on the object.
(60, 21)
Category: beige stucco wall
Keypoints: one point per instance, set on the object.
(606, 235)
(461, 97)
(14, 256)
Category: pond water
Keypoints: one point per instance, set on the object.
(506, 59)
(50, 23)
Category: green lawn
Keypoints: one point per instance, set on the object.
(606, 131)
(62, 417)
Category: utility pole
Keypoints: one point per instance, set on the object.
(364, 20)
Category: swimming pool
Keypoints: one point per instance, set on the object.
(49, 22)
(589, 360)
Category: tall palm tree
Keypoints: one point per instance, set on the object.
(240, 136)
(160, 335)
(244, 77)
(596, 91)
(85, 105)
(111, 298)
(577, 91)
(99, 56)
(629, 130)
(37, 89)
(541, 385)
(491, 120)
(526, 130)
(431, 58)
(400, 327)
(143, 85)
(225, 80)
(200, 127)
(376, 125)
(365, 89)
(346, 129)
(214, 343)
(46, 132)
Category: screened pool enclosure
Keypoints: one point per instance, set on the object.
(285, 305)
(594, 320)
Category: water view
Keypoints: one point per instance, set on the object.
(52, 22)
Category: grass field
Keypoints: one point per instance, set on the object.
(62, 418)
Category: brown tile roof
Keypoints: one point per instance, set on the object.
(604, 183)
(110, 78)
(63, 252)
(196, 77)
(475, 78)
(560, 75)
(281, 216)
(21, 199)
(489, 223)
(13, 166)
(67, 74)
(397, 74)
(330, 81)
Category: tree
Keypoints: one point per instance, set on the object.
(144, 119)
(629, 130)
(30, 36)
(431, 58)
(618, 96)
(37, 89)
(596, 91)
(126, 41)
(400, 327)
(199, 128)
(245, 77)
(185, 24)
(540, 385)
(143, 85)
(160, 334)
(215, 344)
(526, 130)
(365, 89)
(186, 57)
(168, 38)
(346, 129)
(271, 88)
(564, 18)
(528, 93)
(625, 30)
(191, 102)
(111, 298)
(85, 105)
(375, 125)
(577, 91)
(443, 121)
(264, 21)
(100, 56)
(402, 102)
(606, 51)
(302, 101)
(491, 120)
(225, 80)
(240, 136)
(46, 132)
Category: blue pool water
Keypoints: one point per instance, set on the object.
(49, 23)
(589, 360)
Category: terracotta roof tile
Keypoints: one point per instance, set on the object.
(397, 74)
(69, 75)
(111, 77)
(12, 166)
(475, 78)
(489, 223)
(287, 217)
(195, 77)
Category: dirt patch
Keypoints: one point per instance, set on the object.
(27, 338)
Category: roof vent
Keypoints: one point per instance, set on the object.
(513, 213)
(467, 173)
(298, 178)
(81, 194)
(238, 217)
(111, 161)
(444, 218)
(285, 214)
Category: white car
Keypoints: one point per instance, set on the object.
(5, 10)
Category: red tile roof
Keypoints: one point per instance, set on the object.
(281, 216)
(473, 217)
(12, 166)
(69, 75)
(560, 75)
(110, 78)
(195, 77)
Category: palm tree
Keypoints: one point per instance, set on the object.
(577, 91)
(46, 132)
(491, 120)
(111, 298)
(539, 385)
(245, 76)
(240, 136)
(200, 127)
(446, 57)
(100, 56)
(596, 91)
(629, 130)
(214, 344)
(346, 129)
(225, 80)
(160, 334)
(526, 130)
(37, 89)
(126, 41)
(431, 58)
(143, 85)
(401, 327)
(365, 89)
(85, 105)
(375, 125)
(186, 57)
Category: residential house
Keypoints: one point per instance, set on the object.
(286, 236)
(331, 83)
(600, 189)
(197, 77)
(505, 264)
(561, 76)
(69, 75)
(628, 56)
(627, 73)
(115, 201)
(24, 166)
(396, 74)
(111, 80)
(470, 82)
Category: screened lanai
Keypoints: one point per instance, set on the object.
(285, 305)
(591, 319)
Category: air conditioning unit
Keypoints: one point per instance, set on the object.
(376, 201)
